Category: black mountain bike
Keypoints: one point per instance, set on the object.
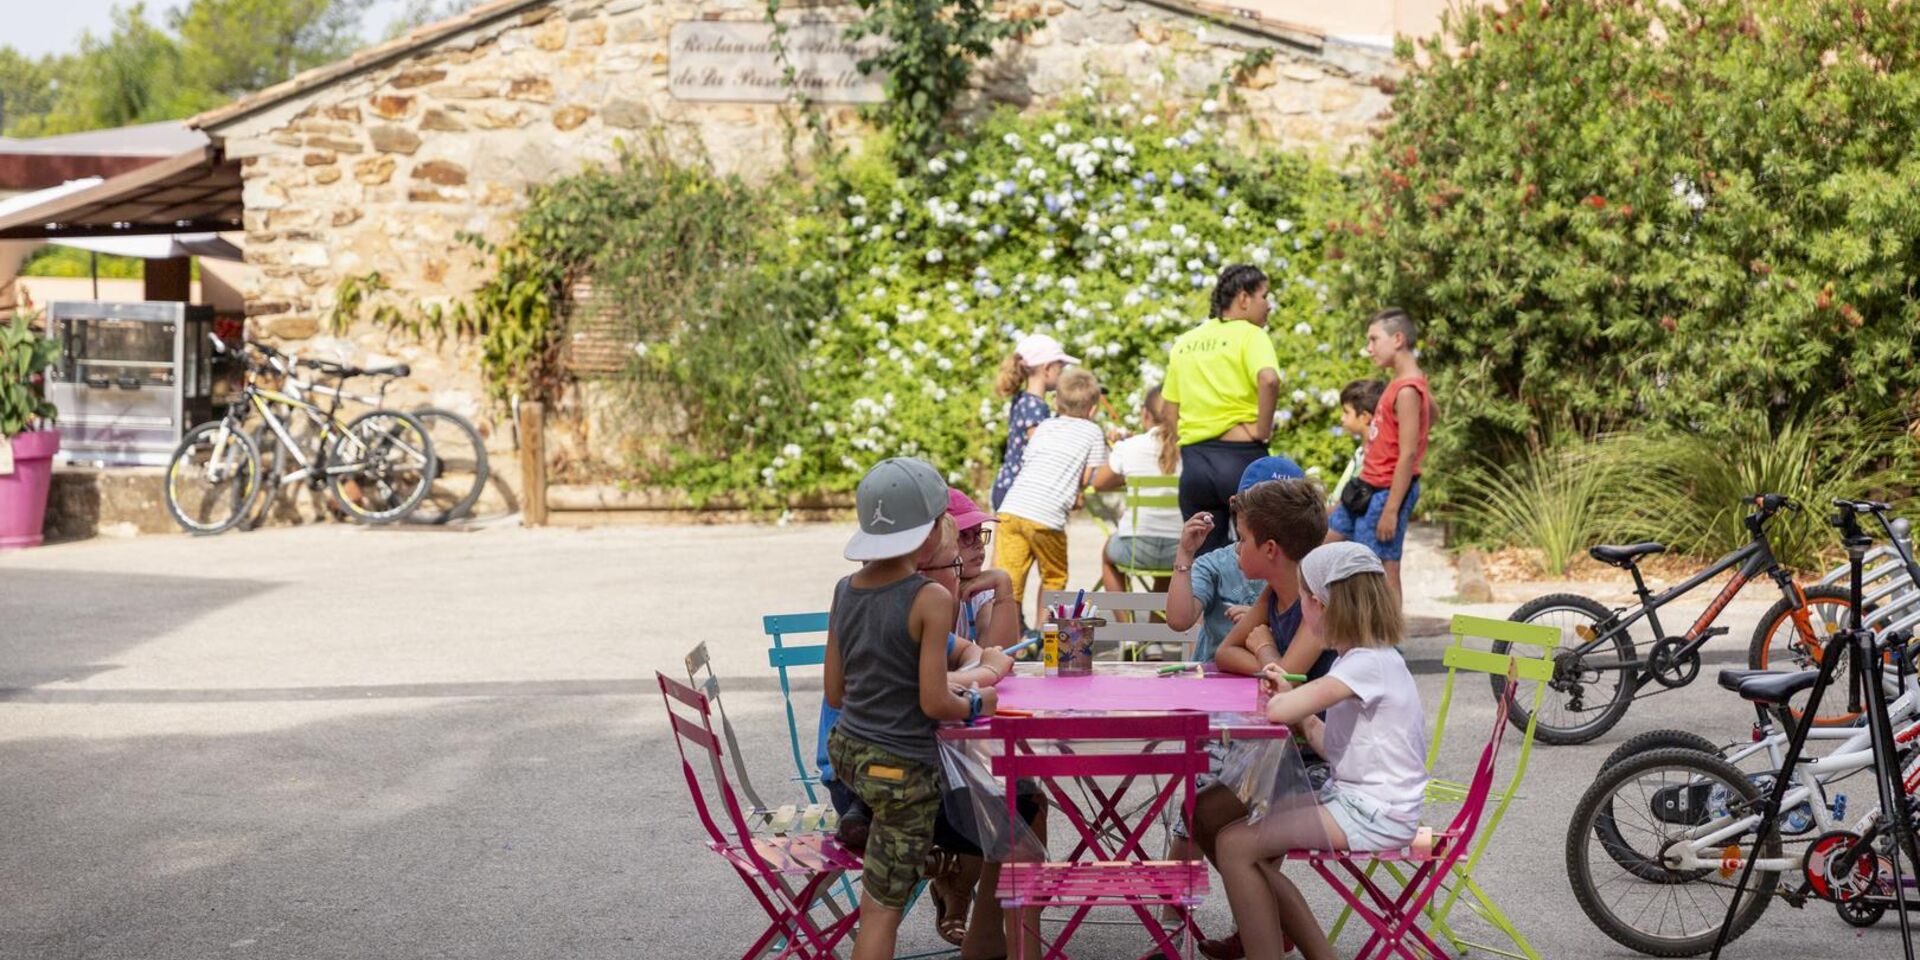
(1600, 668)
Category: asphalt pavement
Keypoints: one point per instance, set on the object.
(330, 742)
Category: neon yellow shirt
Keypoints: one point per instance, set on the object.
(1213, 376)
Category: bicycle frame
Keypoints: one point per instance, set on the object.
(1753, 559)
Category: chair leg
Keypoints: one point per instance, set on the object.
(1491, 913)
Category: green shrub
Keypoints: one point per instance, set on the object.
(1104, 225)
(1697, 488)
(1558, 499)
(1677, 215)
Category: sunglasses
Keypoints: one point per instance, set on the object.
(955, 566)
(975, 537)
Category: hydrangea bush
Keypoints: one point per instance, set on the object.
(1103, 224)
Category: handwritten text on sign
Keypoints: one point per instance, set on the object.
(716, 60)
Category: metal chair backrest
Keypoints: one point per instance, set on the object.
(698, 661)
(784, 656)
(1142, 606)
(1150, 493)
(707, 745)
(1018, 759)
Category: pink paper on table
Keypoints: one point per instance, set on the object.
(1181, 692)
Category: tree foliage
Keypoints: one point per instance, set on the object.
(139, 71)
(1669, 214)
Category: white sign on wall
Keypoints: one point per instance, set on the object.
(735, 61)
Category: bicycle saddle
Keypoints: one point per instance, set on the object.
(397, 370)
(1732, 679)
(1773, 688)
(1621, 555)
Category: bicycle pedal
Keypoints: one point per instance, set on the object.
(1716, 631)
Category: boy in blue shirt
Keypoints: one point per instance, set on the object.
(1212, 590)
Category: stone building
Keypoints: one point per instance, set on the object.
(377, 162)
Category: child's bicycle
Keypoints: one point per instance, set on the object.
(1600, 669)
(1655, 845)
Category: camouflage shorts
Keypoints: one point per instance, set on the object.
(905, 797)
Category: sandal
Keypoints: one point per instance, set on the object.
(949, 921)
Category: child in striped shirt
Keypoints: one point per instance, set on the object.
(1059, 463)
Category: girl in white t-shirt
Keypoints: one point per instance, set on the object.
(1152, 541)
(1374, 737)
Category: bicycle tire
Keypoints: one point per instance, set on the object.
(239, 500)
(1608, 829)
(1550, 732)
(1760, 653)
(273, 466)
(402, 482)
(455, 462)
(1587, 891)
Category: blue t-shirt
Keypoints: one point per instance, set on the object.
(1284, 624)
(1027, 412)
(1218, 584)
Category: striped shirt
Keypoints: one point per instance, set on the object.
(1054, 470)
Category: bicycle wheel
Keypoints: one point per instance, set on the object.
(460, 472)
(380, 468)
(1583, 700)
(212, 479)
(1658, 798)
(1783, 640)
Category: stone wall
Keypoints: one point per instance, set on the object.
(380, 170)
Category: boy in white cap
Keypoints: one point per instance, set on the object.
(886, 671)
(1026, 377)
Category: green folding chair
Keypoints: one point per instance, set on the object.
(1524, 638)
(1144, 493)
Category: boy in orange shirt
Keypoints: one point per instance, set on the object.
(1396, 445)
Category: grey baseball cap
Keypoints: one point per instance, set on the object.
(899, 500)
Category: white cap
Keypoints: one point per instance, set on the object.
(1038, 350)
(1331, 563)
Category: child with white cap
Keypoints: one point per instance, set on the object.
(1374, 736)
(886, 671)
(1028, 374)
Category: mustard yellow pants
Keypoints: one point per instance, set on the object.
(1019, 543)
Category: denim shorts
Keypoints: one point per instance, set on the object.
(1363, 820)
(1362, 530)
(1147, 553)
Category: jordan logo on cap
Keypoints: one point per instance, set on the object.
(880, 515)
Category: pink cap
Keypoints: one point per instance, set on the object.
(966, 514)
(1038, 350)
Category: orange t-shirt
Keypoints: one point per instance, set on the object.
(1383, 437)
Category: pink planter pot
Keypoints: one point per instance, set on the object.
(23, 493)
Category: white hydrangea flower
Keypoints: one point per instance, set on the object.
(1209, 105)
(935, 256)
(1303, 328)
(936, 165)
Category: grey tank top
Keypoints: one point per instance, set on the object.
(880, 661)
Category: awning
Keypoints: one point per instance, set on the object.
(160, 246)
(194, 192)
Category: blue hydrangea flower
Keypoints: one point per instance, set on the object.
(1178, 180)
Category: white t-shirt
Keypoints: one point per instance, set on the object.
(1376, 740)
(1140, 457)
(1054, 470)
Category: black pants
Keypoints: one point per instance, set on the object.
(1209, 474)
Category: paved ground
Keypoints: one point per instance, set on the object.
(328, 742)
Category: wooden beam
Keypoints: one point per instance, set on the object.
(533, 464)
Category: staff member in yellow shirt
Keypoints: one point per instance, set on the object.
(1223, 381)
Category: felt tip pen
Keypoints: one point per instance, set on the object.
(1022, 645)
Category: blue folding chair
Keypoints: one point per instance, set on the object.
(783, 656)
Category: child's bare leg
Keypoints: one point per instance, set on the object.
(1110, 578)
(879, 931)
(1393, 577)
(1239, 852)
(1333, 536)
(987, 929)
(1296, 918)
(1178, 848)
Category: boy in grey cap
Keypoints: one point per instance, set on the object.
(886, 671)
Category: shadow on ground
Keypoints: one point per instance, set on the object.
(64, 625)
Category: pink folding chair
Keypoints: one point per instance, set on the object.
(785, 873)
(1394, 918)
(1118, 873)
